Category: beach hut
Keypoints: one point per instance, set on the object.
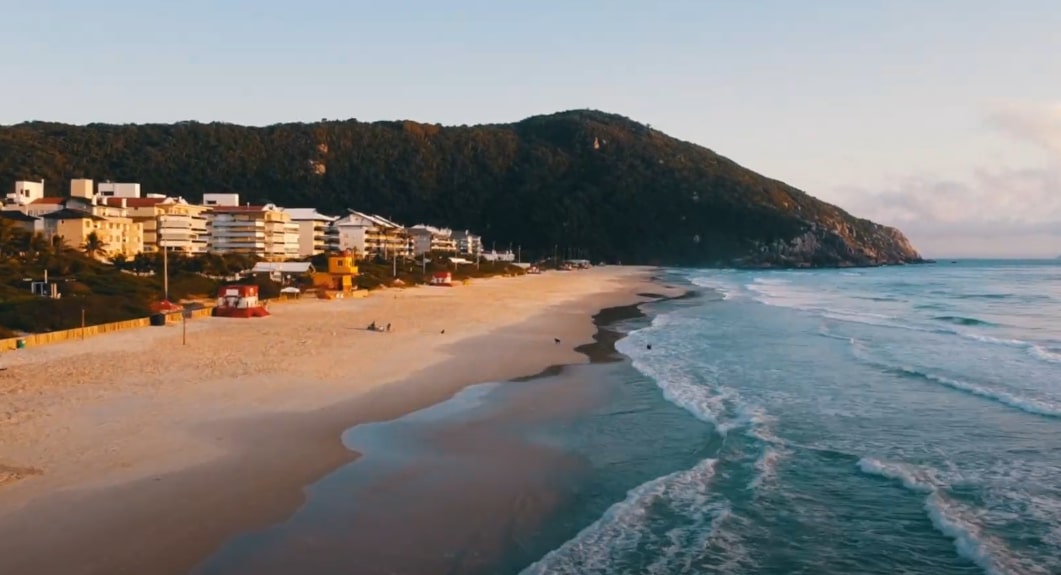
(442, 279)
(239, 301)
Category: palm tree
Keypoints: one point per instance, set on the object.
(94, 246)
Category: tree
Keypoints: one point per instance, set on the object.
(94, 245)
(12, 237)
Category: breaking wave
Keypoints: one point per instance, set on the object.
(647, 516)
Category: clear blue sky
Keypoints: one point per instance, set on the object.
(940, 116)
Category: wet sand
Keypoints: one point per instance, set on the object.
(456, 488)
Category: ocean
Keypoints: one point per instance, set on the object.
(864, 421)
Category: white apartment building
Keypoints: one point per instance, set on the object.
(428, 239)
(220, 200)
(468, 244)
(263, 231)
(370, 235)
(25, 193)
(170, 223)
(313, 229)
(117, 190)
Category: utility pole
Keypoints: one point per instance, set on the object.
(184, 327)
(165, 272)
(82, 324)
(394, 266)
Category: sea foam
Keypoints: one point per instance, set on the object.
(950, 519)
(602, 546)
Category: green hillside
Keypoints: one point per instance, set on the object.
(584, 182)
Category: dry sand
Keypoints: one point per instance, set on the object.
(132, 453)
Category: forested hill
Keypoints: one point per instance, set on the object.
(602, 183)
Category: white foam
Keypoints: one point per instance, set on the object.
(598, 547)
(1026, 404)
(727, 289)
(912, 478)
(766, 468)
(1045, 354)
(950, 519)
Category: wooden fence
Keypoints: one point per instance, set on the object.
(77, 333)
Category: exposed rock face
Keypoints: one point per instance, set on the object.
(824, 247)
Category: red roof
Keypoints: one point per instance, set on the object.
(48, 201)
(133, 202)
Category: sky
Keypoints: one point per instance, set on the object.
(940, 117)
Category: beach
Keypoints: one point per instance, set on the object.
(132, 453)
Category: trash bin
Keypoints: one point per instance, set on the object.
(158, 319)
(20, 343)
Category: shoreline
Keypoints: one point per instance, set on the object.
(266, 460)
(460, 460)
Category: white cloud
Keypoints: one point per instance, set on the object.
(1035, 124)
(994, 211)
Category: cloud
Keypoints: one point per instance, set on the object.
(993, 211)
(1035, 124)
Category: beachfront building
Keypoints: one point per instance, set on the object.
(119, 234)
(370, 235)
(82, 188)
(116, 233)
(264, 231)
(284, 272)
(118, 190)
(468, 244)
(312, 230)
(24, 194)
(429, 239)
(225, 199)
(170, 223)
(496, 256)
(41, 206)
(17, 219)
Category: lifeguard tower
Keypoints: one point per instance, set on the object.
(239, 301)
(338, 281)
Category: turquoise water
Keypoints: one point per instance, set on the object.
(880, 421)
(891, 420)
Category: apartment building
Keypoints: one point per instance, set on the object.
(170, 223)
(265, 231)
(116, 233)
(25, 194)
(312, 230)
(429, 239)
(370, 235)
(467, 243)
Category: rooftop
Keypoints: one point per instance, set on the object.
(70, 214)
(282, 267)
(240, 209)
(48, 201)
(306, 214)
(16, 216)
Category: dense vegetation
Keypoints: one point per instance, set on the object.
(584, 182)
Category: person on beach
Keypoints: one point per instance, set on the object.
(388, 327)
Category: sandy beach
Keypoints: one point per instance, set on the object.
(133, 453)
